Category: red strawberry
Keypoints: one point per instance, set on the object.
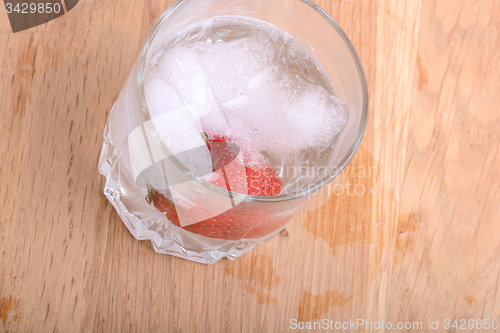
(232, 173)
(162, 204)
(231, 227)
(263, 181)
(235, 223)
(243, 224)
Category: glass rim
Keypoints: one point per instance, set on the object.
(252, 198)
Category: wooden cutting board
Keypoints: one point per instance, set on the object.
(421, 243)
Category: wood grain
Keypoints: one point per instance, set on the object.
(420, 243)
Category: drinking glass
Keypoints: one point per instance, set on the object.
(135, 154)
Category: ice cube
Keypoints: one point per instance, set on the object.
(258, 79)
(161, 97)
(235, 103)
(284, 121)
(181, 68)
(230, 65)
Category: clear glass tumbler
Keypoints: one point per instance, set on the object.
(136, 158)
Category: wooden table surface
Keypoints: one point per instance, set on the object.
(418, 242)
